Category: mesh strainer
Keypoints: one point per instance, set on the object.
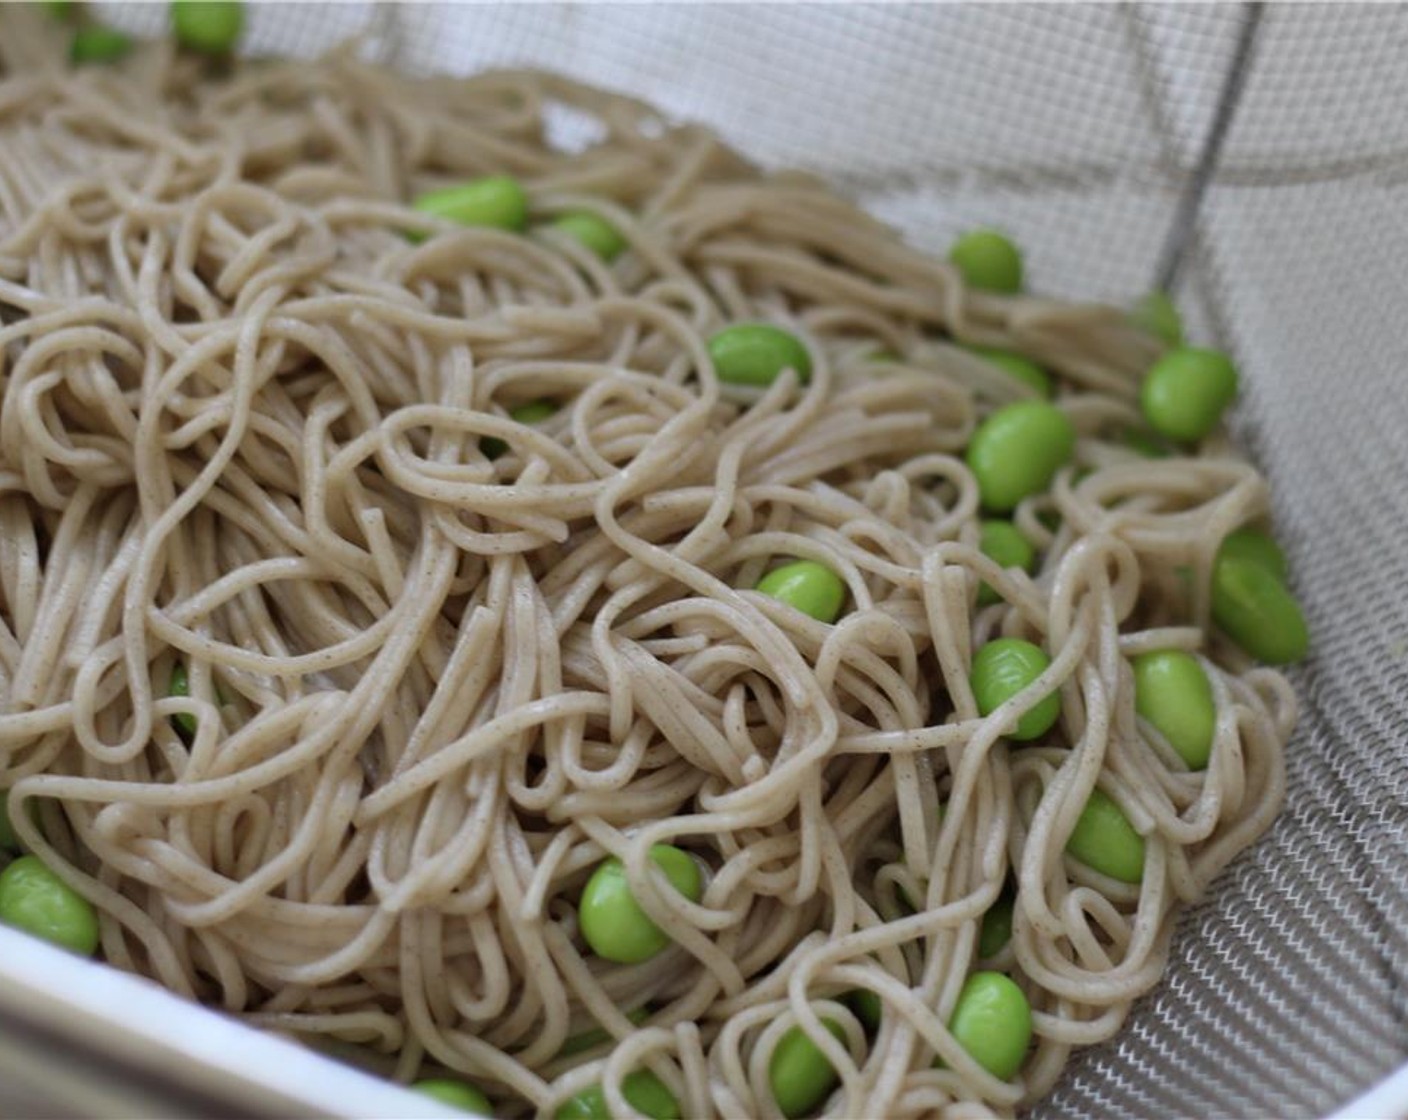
(1092, 134)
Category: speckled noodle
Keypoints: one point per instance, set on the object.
(241, 430)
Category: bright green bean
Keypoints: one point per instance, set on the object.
(799, 1073)
(993, 1022)
(996, 929)
(1256, 547)
(1172, 692)
(807, 586)
(1003, 542)
(1186, 392)
(456, 1094)
(1018, 367)
(1002, 669)
(1156, 314)
(34, 899)
(497, 201)
(988, 261)
(612, 921)
(593, 231)
(1258, 611)
(208, 26)
(757, 353)
(645, 1092)
(98, 44)
(1017, 450)
(1105, 841)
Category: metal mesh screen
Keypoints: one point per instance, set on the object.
(1076, 128)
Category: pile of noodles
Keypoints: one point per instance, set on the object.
(241, 431)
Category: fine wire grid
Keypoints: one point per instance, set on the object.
(1077, 128)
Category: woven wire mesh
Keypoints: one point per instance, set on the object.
(1076, 128)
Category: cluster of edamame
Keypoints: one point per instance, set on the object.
(643, 1091)
(1103, 838)
(211, 27)
(1017, 450)
(501, 202)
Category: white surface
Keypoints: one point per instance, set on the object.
(166, 1038)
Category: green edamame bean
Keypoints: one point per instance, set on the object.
(98, 44)
(1257, 611)
(988, 261)
(1003, 668)
(1157, 315)
(646, 1093)
(1004, 543)
(183, 722)
(1105, 841)
(1186, 392)
(495, 200)
(34, 899)
(867, 1007)
(532, 412)
(456, 1094)
(1016, 451)
(593, 231)
(808, 586)
(1022, 369)
(799, 1073)
(996, 928)
(1258, 548)
(613, 923)
(578, 1043)
(1172, 692)
(208, 26)
(993, 1022)
(757, 353)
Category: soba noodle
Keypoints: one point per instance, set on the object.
(241, 433)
